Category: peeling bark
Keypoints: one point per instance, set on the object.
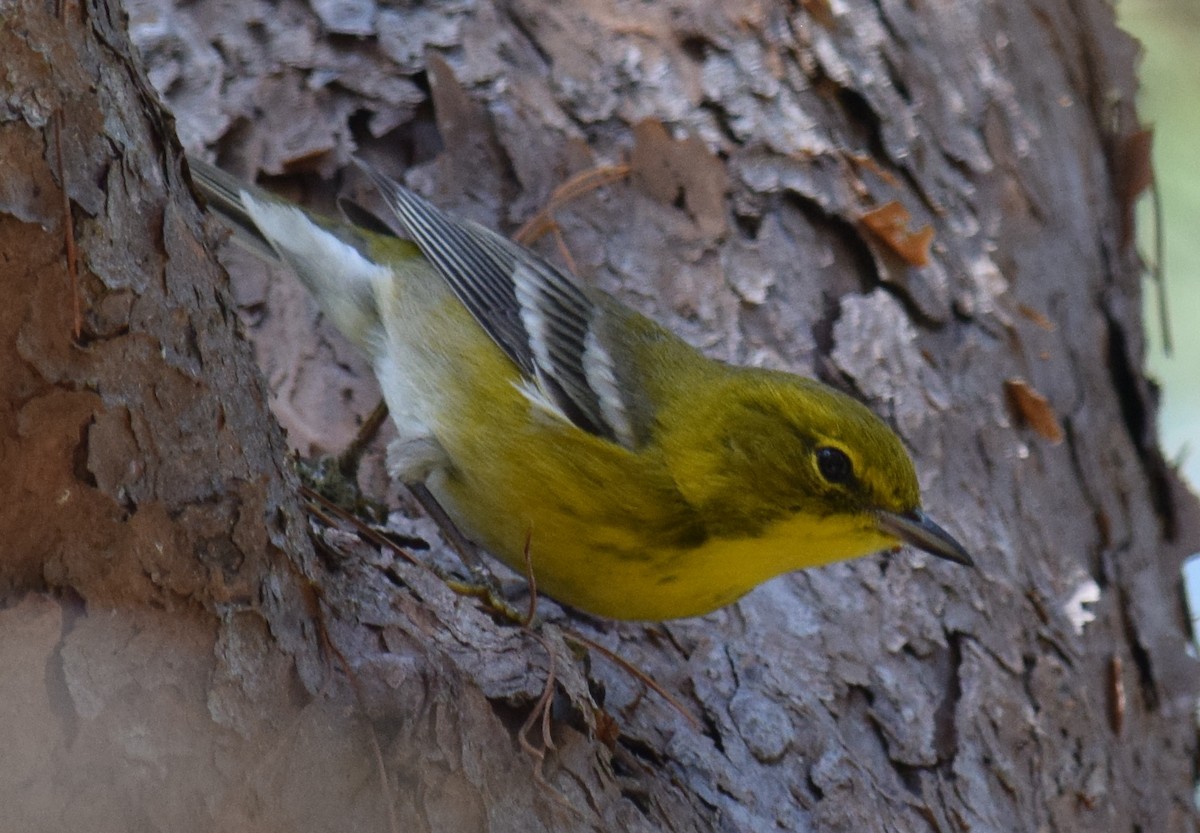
(177, 657)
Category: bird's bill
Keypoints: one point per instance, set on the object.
(917, 529)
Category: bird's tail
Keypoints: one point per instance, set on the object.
(223, 194)
(331, 258)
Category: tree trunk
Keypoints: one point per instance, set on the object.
(176, 657)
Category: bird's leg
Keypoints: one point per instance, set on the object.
(483, 584)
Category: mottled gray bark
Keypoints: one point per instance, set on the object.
(174, 656)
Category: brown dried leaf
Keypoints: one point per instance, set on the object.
(889, 224)
(1036, 317)
(682, 173)
(608, 730)
(820, 11)
(471, 161)
(1134, 174)
(864, 162)
(1031, 408)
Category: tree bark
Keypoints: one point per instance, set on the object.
(177, 657)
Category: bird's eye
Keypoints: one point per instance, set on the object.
(834, 465)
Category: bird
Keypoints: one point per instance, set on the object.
(573, 437)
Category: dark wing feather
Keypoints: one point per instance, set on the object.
(538, 315)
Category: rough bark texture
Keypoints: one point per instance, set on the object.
(174, 656)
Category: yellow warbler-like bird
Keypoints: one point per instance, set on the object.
(650, 481)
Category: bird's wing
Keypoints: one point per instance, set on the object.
(545, 321)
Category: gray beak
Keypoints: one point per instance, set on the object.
(916, 529)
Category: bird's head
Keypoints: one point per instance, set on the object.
(782, 452)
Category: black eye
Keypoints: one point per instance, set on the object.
(834, 465)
